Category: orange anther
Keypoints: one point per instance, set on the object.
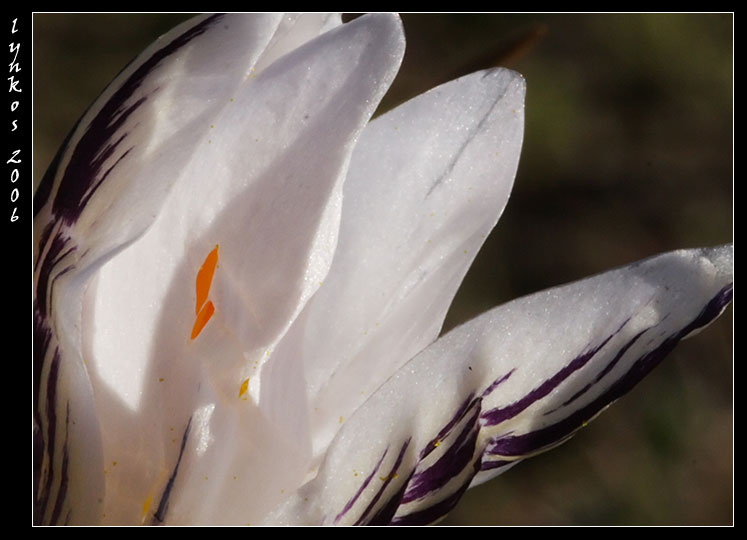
(205, 278)
(244, 387)
(202, 318)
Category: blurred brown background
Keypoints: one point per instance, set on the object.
(628, 152)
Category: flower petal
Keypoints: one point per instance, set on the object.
(427, 183)
(248, 232)
(513, 382)
(215, 134)
(90, 203)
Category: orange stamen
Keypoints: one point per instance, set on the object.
(205, 278)
(202, 318)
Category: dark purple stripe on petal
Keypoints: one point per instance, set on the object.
(466, 404)
(49, 440)
(378, 517)
(62, 491)
(42, 337)
(57, 250)
(604, 372)
(386, 512)
(497, 383)
(38, 450)
(713, 309)
(45, 186)
(83, 174)
(501, 414)
(438, 510)
(531, 442)
(450, 464)
(43, 239)
(367, 481)
(163, 504)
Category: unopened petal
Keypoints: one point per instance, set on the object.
(427, 183)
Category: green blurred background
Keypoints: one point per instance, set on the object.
(628, 152)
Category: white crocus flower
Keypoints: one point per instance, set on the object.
(240, 282)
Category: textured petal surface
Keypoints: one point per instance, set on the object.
(246, 176)
(514, 382)
(427, 183)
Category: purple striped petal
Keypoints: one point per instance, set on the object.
(543, 366)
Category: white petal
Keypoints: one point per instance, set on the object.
(427, 183)
(264, 186)
(511, 383)
(204, 118)
(104, 188)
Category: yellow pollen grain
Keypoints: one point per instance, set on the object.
(341, 419)
(146, 505)
(435, 444)
(160, 379)
(244, 386)
(114, 463)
